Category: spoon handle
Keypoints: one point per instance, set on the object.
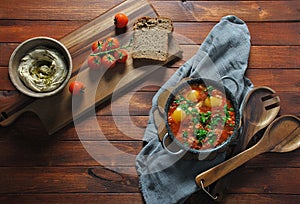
(249, 130)
(210, 176)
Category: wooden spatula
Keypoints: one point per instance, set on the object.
(282, 135)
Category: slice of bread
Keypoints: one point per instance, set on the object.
(151, 38)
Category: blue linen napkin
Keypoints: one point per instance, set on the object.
(164, 177)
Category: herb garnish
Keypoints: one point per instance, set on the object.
(203, 123)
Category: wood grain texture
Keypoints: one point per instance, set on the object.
(68, 153)
(72, 153)
(282, 57)
(201, 10)
(94, 179)
(264, 33)
(63, 10)
(277, 138)
(247, 198)
(97, 179)
(215, 10)
(135, 198)
(67, 198)
(98, 85)
(37, 168)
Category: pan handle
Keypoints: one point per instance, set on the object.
(166, 148)
(234, 81)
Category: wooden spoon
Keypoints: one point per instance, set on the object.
(260, 108)
(282, 135)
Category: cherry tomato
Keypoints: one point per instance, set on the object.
(120, 20)
(94, 62)
(111, 43)
(121, 55)
(76, 87)
(98, 46)
(108, 61)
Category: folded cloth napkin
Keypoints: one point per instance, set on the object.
(164, 177)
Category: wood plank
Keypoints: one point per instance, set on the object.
(282, 80)
(260, 56)
(265, 33)
(99, 179)
(279, 79)
(136, 198)
(202, 10)
(6, 49)
(289, 103)
(30, 127)
(20, 30)
(274, 57)
(261, 180)
(215, 10)
(5, 82)
(71, 153)
(18, 152)
(74, 198)
(244, 198)
(125, 128)
(54, 10)
(274, 160)
(94, 179)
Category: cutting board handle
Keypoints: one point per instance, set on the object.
(6, 119)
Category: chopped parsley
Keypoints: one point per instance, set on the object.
(203, 123)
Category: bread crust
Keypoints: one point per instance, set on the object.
(151, 38)
(144, 22)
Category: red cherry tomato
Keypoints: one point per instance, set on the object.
(121, 55)
(76, 87)
(98, 46)
(120, 20)
(108, 61)
(111, 43)
(94, 62)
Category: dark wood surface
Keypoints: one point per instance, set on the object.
(37, 168)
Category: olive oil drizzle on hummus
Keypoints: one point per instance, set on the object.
(43, 69)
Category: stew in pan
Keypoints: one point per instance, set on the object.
(201, 117)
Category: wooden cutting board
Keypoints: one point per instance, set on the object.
(57, 111)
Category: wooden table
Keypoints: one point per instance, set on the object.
(37, 168)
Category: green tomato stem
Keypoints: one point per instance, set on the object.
(112, 50)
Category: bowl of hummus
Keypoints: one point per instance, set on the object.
(40, 67)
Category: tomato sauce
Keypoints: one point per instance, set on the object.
(201, 117)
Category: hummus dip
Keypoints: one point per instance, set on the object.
(43, 69)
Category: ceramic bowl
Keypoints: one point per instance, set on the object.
(29, 45)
